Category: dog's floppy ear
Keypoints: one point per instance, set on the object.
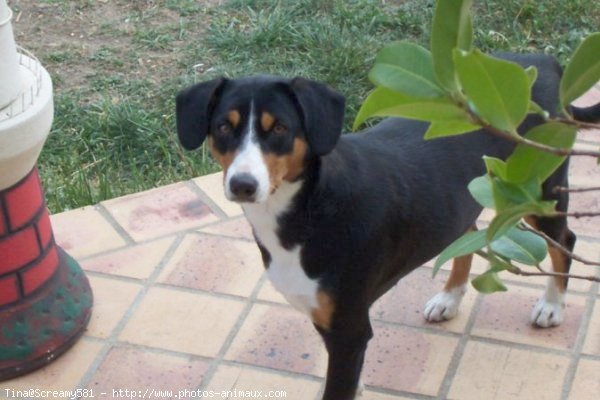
(323, 113)
(194, 107)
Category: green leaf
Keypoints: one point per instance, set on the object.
(406, 68)
(582, 72)
(466, 244)
(497, 263)
(488, 282)
(449, 128)
(497, 90)
(452, 28)
(508, 194)
(532, 74)
(383, 102)
(522, 246)
(508, 218)
(495, 166)
(481, 190)
(527, 163)
(535, 108)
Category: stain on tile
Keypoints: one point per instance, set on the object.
(160, 211)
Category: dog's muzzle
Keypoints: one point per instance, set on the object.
(243, 187)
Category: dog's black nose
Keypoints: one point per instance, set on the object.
(243, 186)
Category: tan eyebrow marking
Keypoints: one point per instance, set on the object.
(266, 121)
(234, 118)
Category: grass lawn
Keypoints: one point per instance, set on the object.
(117, 66)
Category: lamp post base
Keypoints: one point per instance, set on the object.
(45, 298)
(36, 331)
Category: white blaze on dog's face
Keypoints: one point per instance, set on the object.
(248, 172)
(259, 143)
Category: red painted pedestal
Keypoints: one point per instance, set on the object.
(45, 299)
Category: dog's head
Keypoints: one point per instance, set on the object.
(262, 130)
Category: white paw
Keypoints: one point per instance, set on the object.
(546, 314)
(444, 305)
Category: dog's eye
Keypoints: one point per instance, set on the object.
(225, 128)
(279, 129)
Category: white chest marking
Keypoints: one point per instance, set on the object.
(285, 270)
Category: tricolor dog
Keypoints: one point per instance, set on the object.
(340, 219)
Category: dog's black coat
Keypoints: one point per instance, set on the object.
(373, 206)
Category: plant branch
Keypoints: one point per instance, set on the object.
(575, 214)
(524, 141)
(558, 246)
(542, 272)
(578, 124)
(562, 189)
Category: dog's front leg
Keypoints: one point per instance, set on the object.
(346, 345)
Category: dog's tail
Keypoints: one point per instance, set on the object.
(586, 114)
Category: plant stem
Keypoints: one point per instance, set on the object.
(558, 246)
(518, 271)
(524, 141)
(578, 124)
(562, 189)
(575, 214)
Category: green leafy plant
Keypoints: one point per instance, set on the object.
(457, 89)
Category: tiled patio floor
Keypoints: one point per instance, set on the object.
(182, 303)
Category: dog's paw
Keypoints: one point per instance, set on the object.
(546, 313)
(444, 305)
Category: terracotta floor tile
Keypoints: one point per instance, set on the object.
(214, 264)
(84, 232)
(494, 372)
(486, 216)
(238, 228)
(281, 338)
(143, 369)
(135, 261)
(586, 385)
(186, 322)
(405, 302)
(585, 202)
(589, 98)
(269, 293)
(369, 395)
(405, 359)
(160, 211)
(592, 341)
(505, 316)
(589, 136)
(584, 171)
(212, 185)
(64, 373)
(230, 378)
(112, 299)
